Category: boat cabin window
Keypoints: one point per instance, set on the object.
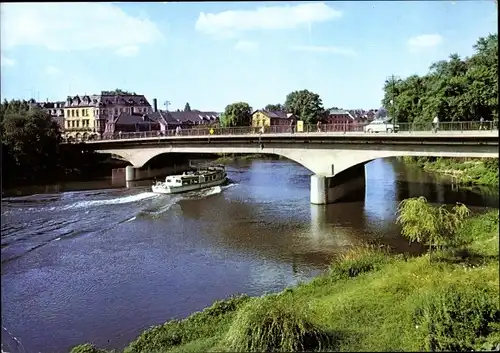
(169, 180)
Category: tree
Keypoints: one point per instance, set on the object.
(381, 113)
(236, 114)
(187, 107)
(456, 89)
(31, 139)
(274, 107)
(306, 105)
(433, 226)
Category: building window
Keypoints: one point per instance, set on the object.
(76, 113)
(72, 113)
(78, 123)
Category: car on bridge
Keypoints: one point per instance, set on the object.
(380, 125)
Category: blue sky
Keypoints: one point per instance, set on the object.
(214, 54)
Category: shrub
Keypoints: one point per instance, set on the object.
(432, 226)
(359, 260)
(87, 348)
(173, 333)
(275, 324)
(457, 318)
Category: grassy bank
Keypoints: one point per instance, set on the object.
(467, 171)
(368, 301)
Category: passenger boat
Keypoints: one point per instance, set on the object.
(193, 180)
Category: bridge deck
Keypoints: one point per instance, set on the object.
(356, 137)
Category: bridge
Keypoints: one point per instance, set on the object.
(335, 158)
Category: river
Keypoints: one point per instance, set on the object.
(102, 264)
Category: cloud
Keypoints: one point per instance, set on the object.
(52, 70)
(228, 23)
(246, 46)
(324, 49)
(425, 41)
(4, 61)
(73, 26)
(128, 50)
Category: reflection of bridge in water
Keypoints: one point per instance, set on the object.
(336, 159)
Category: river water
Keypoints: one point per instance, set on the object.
(103, 264)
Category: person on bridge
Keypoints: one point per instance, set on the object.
(435, 124)
(481, 123)
(292, 126)
(178, 130)
(318, 126)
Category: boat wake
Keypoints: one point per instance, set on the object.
(165, 203)
(113, 201)
(10, 343)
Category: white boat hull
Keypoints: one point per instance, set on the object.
(161, 189)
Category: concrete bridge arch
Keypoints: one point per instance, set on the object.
(337, 162)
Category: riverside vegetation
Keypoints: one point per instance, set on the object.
(369, 300)
(467, 171)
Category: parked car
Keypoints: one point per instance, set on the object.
(381, 126)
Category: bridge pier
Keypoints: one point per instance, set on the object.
(349, 184)
(132, 173)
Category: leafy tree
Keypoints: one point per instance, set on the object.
(456, 89)
(432, 226)
(236, 114)
(274, 107)
(381, 113)
(30, 138)
(187, 107)
(306, 105)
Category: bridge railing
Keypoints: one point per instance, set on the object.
(321, 129)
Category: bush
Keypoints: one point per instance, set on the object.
(275, 324)
(457, 318)
(359, 260)
(173, 333)
(432, 226)
(87, 348)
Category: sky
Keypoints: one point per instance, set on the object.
(212, 54)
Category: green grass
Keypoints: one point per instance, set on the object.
(466, 171)
(369, 300)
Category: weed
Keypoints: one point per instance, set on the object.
(456, 318)
(88, 348)
(359, 260)
(175, 333)
(275, 324)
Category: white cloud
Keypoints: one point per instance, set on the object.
(73, 26)
(52, 70)
(246, 46)
(424, 41)
(5, 61)
(228, 23)
(324, 49)
(128, 50)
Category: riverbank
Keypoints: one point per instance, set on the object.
(227, 158)
(466, 171)
(369, 300)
